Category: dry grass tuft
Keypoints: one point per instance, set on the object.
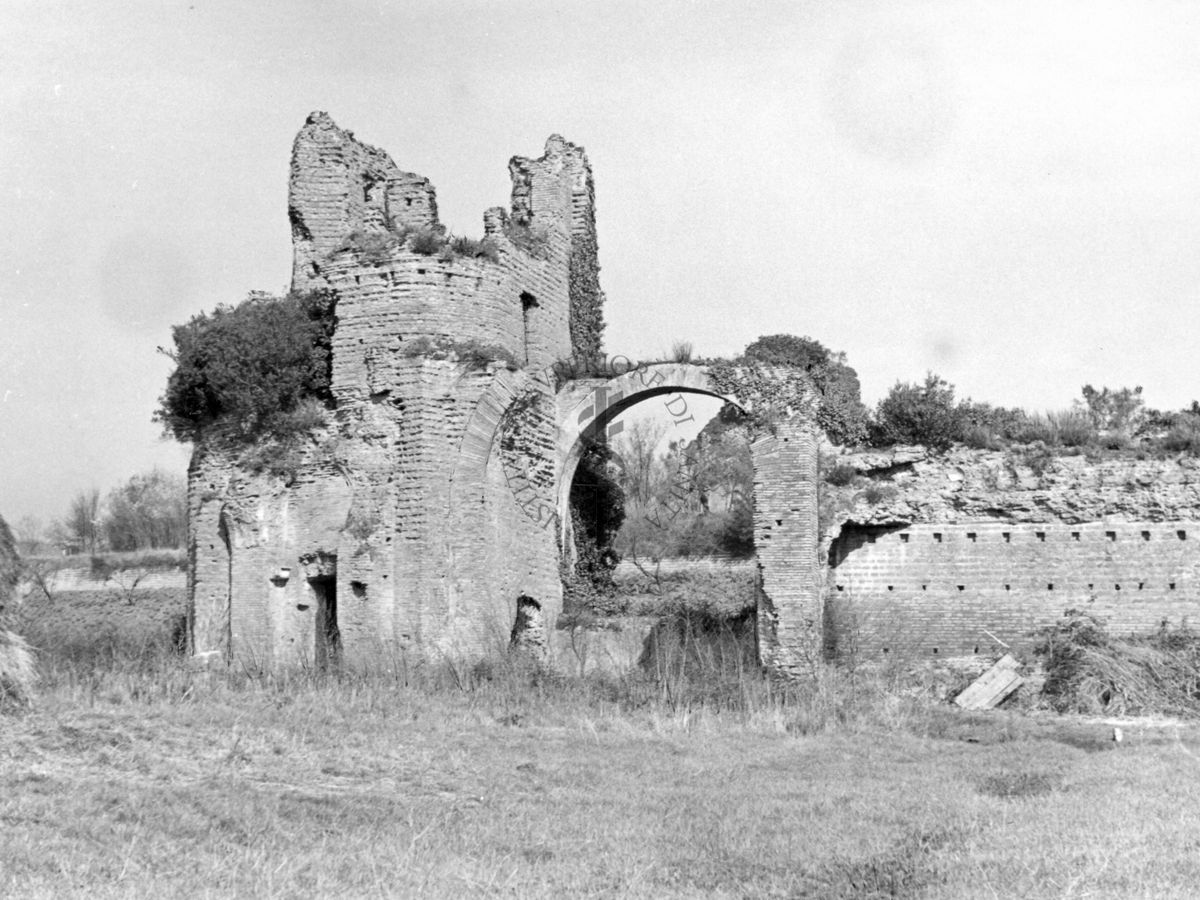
(18, 670)
(1090, 671)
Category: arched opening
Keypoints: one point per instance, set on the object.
(657, 500)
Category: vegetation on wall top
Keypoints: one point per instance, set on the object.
(257, 369)
(376, 247)
(1102, 419)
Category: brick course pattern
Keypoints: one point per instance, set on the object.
(950, 554)
(398, 520)
(429, 515)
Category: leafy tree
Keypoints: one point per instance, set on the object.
(841, 413)
(1115, 411)
(148, 512)
(918, 414)
(247, 369)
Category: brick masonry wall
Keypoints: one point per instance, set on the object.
(785, 538)
(403, 499)
(939, 589)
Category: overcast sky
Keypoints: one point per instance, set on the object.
(1005, 193)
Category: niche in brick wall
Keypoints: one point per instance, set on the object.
(854, 536)
(528, 305)
(527, 630)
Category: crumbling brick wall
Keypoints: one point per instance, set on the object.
(399, 510)
(947, 555)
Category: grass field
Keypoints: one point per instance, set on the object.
(153, 780)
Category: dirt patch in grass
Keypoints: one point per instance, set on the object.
(1019, 785)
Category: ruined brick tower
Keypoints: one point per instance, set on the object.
(399, 527)
(430, 512)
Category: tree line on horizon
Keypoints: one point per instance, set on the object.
(147, 512)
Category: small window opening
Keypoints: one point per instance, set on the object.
(890, 587)
(1171, 586)
(1145, 535)
(1182, 535)
(962, 587)
(1117, 587)
(1141, 584)
(1050, 587)
(937, 536)
(1008, 587)
(904, 538)
(1007, 537)
(935, 651)
(1074, 535)
(971, 536)
(528, 304)
(1111, 535)
(359, 589)
(1041, 535)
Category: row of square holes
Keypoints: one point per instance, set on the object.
(1041, 536)
(1008, 587)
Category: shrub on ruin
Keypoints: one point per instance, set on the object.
(427, 241)
(245, 371)
(372, 247)
(474, 249)
(682, 352)
(841, 475)
(987, 427)
(841, 412)
(918, 414)
(533, 239)
(1113, 410)
(875, 494)
(1184, 436)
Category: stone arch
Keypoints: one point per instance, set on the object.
(785, 488)
(603, 400)
(785, 510)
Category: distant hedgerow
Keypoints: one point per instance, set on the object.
(251, 370)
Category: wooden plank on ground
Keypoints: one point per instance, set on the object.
(992, 686)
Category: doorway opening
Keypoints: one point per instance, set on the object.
(328, 639)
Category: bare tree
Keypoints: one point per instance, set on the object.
(31, 536)
(642, 470)
(81, 527)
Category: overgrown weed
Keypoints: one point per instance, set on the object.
(697, 670)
